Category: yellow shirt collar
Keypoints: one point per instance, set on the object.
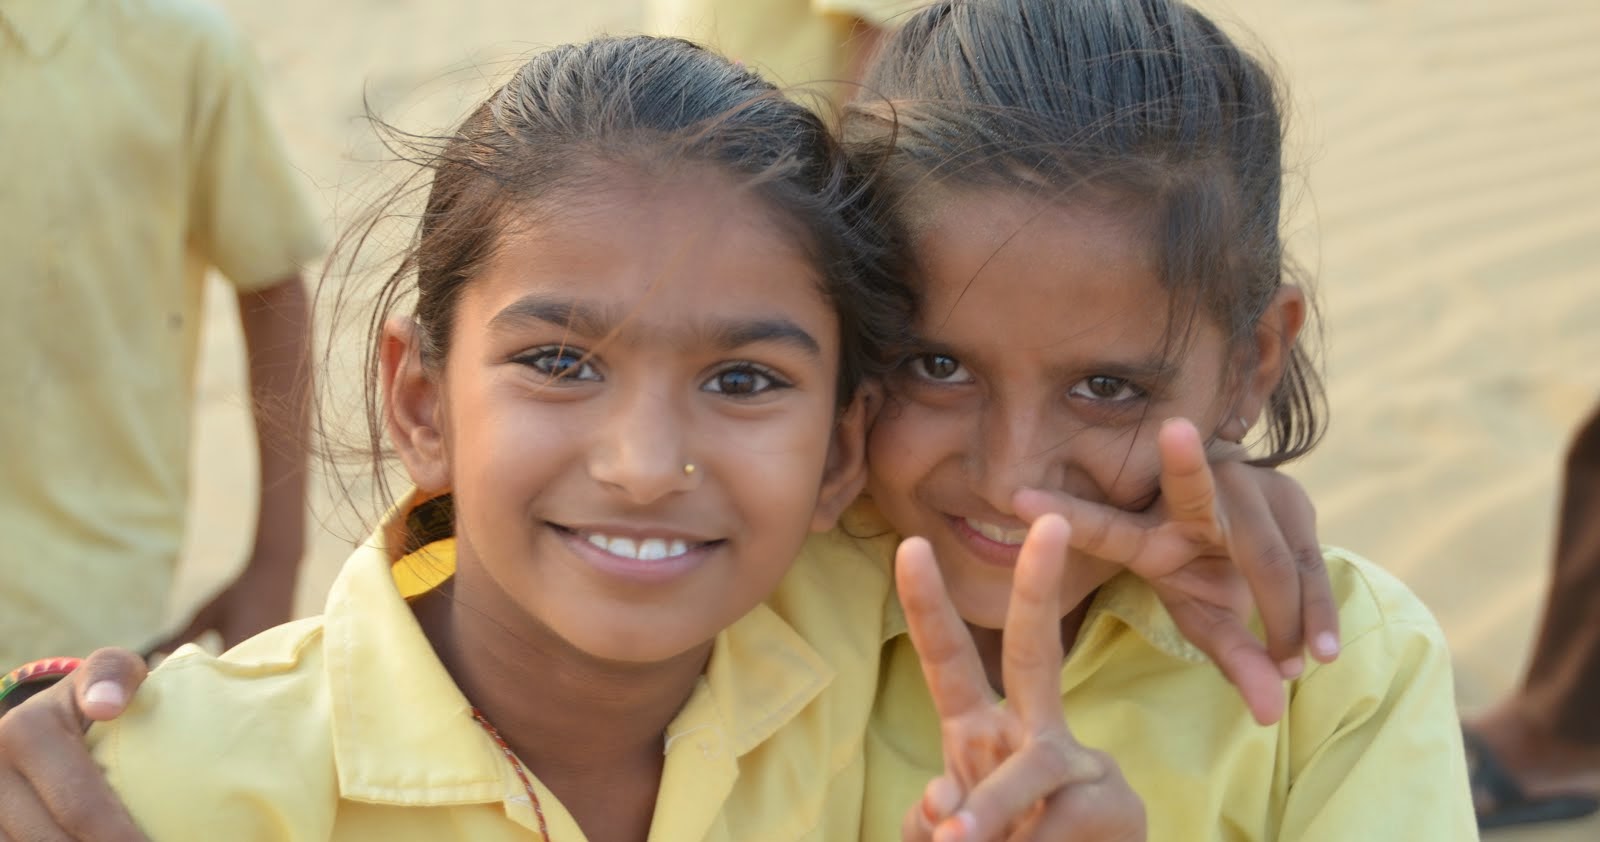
(40, 24)
(403, 733)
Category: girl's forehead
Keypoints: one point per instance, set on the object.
(1012, 278)
(676, 216)
(977, 228)
(988, 246)
(654, 258)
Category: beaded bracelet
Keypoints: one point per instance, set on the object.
(34, 676)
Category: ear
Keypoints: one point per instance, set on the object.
(413, 407)
(1275, 335)
(846, 472)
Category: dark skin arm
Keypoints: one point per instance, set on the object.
(276, 322)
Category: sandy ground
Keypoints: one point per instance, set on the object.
(1448, 175)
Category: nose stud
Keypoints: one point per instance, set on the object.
(688, 469)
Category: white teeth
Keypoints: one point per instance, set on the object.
(998, 534)
(648, 549)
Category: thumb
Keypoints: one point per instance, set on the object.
(103, 684)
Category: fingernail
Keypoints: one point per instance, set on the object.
(1326, 645)
(944, 796)
(961, 826)
(105, 693)
(1290, 668)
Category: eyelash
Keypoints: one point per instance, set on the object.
(1124, 391)
(773, 381)
(1121, 385)
(541, 359)
(538, 359)
(920, 366)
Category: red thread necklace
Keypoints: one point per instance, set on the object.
(516, 766)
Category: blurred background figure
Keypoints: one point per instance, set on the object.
(819, 43)
(137, 153)
(1536, 754)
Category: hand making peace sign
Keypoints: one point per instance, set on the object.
(1012, 771)
(1216, 529)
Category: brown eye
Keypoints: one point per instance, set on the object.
(1104, 387)
(940, 367)
(743, 381)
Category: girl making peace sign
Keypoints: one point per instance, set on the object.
(1091, 194)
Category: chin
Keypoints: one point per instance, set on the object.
(634, 646)
(981, 604)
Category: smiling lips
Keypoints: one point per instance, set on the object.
(999, 534)
(647, 549)
(641, 557)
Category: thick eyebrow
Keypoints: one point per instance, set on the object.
(564, 313)
(737, 333)
(1146, 370)
(584, 320)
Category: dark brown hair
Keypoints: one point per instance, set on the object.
(1143, 106)
(576, 115)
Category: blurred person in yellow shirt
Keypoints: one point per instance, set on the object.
(138, 154)
(791, 42)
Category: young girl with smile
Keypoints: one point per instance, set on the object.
(630, 387)
(1092, 192)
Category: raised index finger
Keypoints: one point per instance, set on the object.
(1031, 655)
(950, 662)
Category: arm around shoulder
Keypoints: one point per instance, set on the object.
(196, 759)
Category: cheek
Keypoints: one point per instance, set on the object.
(1123, 469)
(501, 438)
(904, 444)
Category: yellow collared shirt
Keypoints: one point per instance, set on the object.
(1369, 750)
(347, 727)
(135, 151)
(792, 42)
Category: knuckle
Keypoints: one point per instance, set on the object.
(1097, 531)
(1216, 621)
(1308, 560)
(110, 662)
(1277, 562)
(1140, 549)
(79, 819)
(1196, 505)
(1052, 765)
(1027, 656)
(16, 725)
(1059, 759)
